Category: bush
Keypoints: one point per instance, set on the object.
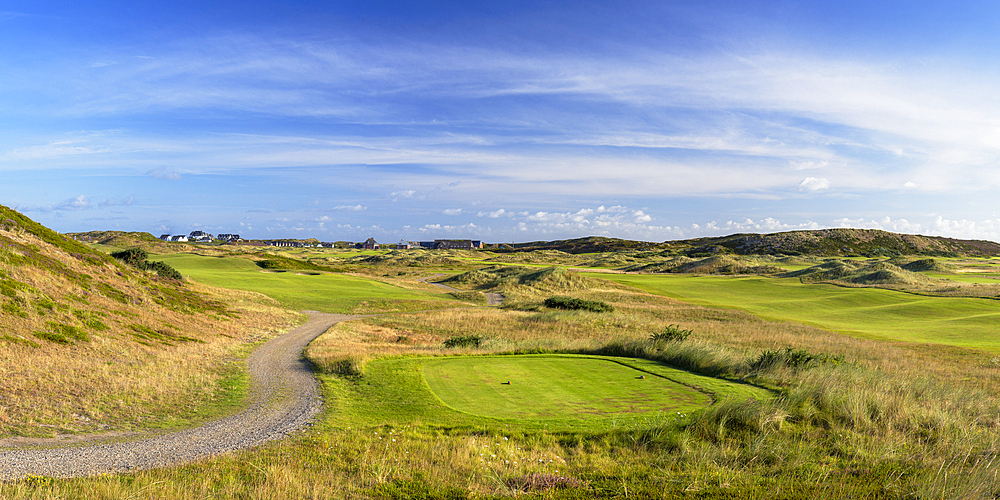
(672, 333)
(464, 341)
(558, 302)
(136, 257)
(792, 358)
(163, 270)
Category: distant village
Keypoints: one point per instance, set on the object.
(369, 244)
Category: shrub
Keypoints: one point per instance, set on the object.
(559, 302)
(136, 257)
(792, 358)
(163, 270)
(464, 341)
(672, 333)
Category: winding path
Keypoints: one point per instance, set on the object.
(284, 397)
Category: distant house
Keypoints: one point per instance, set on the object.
(229, 237)
(200, 234)
(403, 245)
(165, 237)
(179, 237)
(457, 244)
(424, 244)
(369, 244)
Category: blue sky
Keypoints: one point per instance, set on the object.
(501, 121)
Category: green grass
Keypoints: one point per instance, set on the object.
(568, 392)
(333, 293)
(554, 387)
(865, 312)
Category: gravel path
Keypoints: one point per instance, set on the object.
(284, 397)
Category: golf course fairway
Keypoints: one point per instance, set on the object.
(555, 387)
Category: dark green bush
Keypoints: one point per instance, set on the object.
(136, 257)
(464, 341)
(793, 358)
(163, 270)
(672, 333)
(559, 302)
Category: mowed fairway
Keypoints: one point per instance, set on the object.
(869, 312)
(554, 387)
(332, 293)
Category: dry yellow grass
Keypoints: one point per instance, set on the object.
(139, 357)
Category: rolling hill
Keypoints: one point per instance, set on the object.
(821, 243)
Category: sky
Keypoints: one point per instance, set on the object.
(501, 121)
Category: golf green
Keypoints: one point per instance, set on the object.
(555, 387)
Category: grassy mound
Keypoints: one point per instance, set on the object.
(527, 279)
(857, 273)
(409, 258)
(924, 265)
(716, 264)
(548, 256)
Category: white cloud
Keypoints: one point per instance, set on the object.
(453, 211)
(79, 203)
(495, 214)
(351, 208)
(814, 184)
(400, 195)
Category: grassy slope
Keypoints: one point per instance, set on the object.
(334, 293)
(87, 344)
(968, 322)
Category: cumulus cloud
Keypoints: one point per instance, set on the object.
(79, 203)
(453, 211)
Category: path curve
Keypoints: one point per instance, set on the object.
(284, 397)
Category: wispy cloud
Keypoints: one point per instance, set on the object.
(351, 208)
